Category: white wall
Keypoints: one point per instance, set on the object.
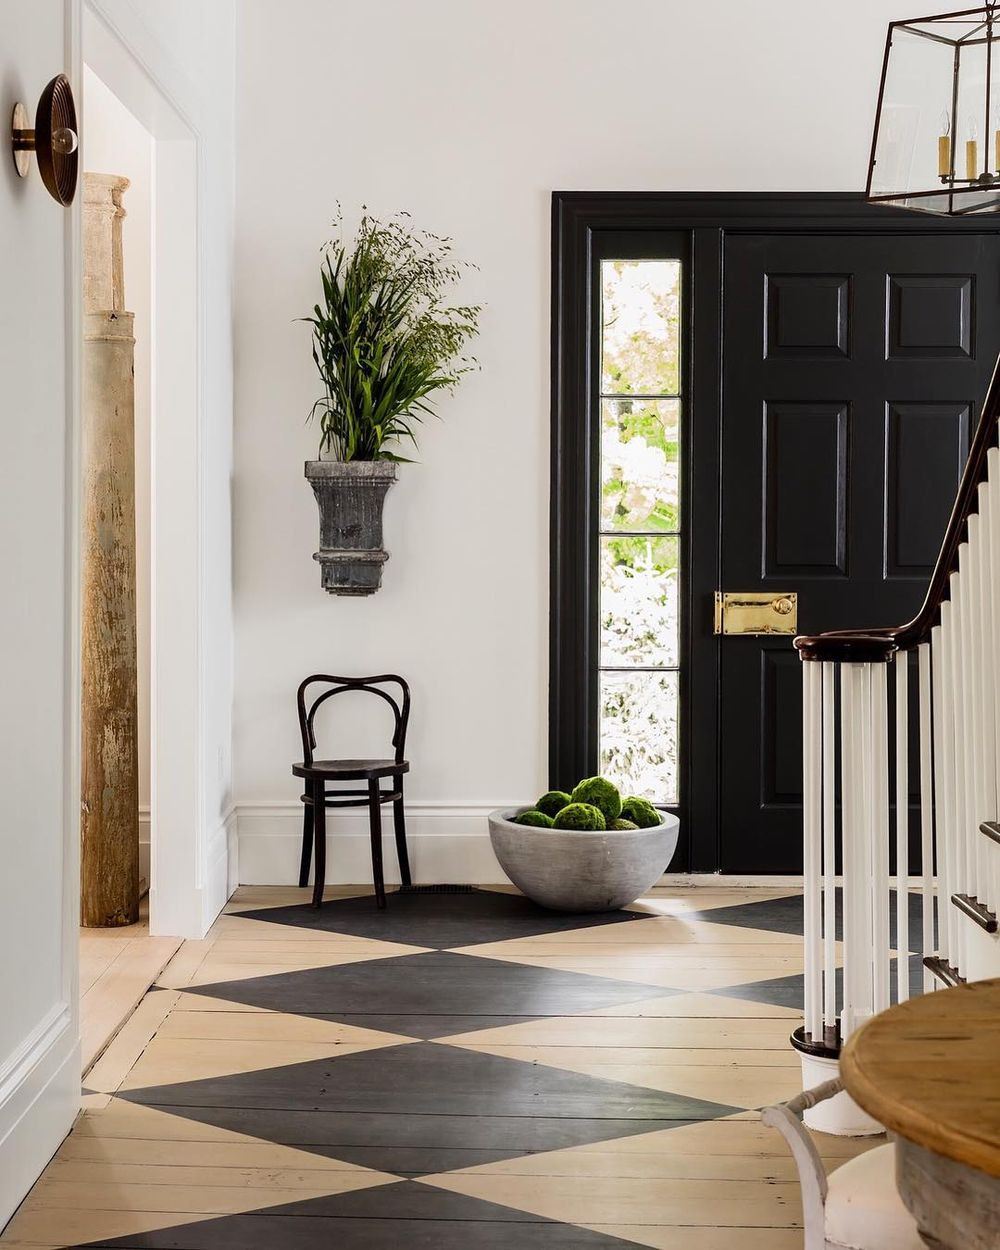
(469, 115)
(115, 142)
(39, 639)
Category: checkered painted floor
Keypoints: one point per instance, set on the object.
(462, 1070)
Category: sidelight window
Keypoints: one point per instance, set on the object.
(639, 525)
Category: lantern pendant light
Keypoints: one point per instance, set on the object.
(936, 144)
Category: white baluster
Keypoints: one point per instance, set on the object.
(988, 682)
(829, 851)
(928, 769)
(963, 762)
(946, 781)
(850, 731)
(984, 685)
(902, 668)
(993, 468)
(863, 836)
(812, 825)
(879, 843)
(973, 669)
(959, 647)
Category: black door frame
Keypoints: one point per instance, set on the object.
(579, 219)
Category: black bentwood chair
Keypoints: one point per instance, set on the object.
(317, 773)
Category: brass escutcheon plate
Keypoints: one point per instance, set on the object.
(756, 612)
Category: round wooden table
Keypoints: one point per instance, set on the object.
(929, 1070)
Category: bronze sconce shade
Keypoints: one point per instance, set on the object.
(936, 144)
(54, 140)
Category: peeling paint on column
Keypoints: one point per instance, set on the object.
(109, 867)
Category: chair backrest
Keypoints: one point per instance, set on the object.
(308, 706)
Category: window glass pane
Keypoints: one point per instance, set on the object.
(640, 467)
(638, 733)
(639, 601)
(640, 327)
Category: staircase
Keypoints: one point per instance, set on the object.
(863, 697)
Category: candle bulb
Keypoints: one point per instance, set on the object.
(972, 152)
(944, 154)
(944, 145)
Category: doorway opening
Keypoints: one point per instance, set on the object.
(133, 131)
(118, 964)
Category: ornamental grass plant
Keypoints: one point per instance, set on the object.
(386, 340)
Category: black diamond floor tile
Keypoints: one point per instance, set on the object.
(425, 1081)
(790, 991)
(409, 1214)
(421, 1145)
(778, 992)
(440, 921)
(433, 994)
(785, 915)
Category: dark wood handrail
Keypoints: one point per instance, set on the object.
(879, 644)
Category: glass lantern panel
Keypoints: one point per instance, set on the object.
(913, 139)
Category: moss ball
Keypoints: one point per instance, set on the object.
(599, 792)
(580, 816)
(623, 824)
(641, 811)
(553, 802)
(534, 817)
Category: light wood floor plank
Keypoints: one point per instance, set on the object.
(113, 996)
(629, 1200)
(134, 1036)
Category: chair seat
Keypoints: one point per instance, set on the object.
(863, 1208)
(350, 770)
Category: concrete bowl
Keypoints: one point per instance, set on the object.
(578, 870)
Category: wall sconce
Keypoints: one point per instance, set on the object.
(54, 140)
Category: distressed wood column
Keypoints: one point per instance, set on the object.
(109, 865)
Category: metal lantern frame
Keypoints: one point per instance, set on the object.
(952, 195)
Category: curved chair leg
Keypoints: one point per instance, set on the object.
(375, 826)
(307, 843)
(399, 826)
(319, 836)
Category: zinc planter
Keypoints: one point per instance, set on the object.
(578, 870)
(350, 495)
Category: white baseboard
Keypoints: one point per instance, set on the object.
(39, 1100)
(222, 852)
(447, 842)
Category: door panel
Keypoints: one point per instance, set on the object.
(852, 371)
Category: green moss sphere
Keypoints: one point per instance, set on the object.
(641, 811)
(553, 802)
(534, 817)
(580, 816)
(623, 824)
(600, 793)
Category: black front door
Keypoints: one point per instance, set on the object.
(853, 368)
(829, 361)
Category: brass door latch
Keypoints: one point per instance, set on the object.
(750, 612)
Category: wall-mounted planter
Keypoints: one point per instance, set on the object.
(350, 495)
